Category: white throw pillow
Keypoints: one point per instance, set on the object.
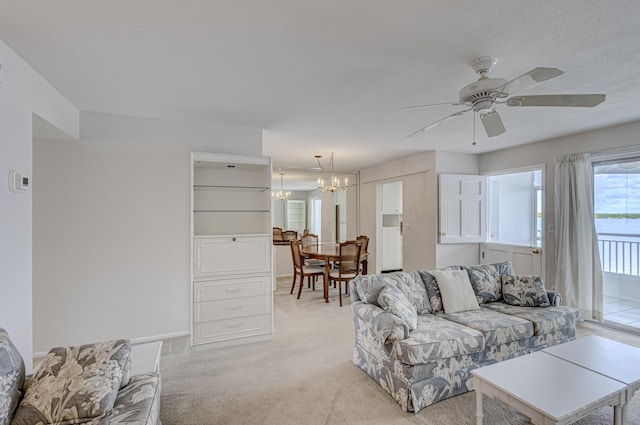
(456, 291)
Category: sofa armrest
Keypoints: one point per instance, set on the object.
(386, 327)
(138, 403)
(554, 298)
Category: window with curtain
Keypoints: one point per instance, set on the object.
(617, 222)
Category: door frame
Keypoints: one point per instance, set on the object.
(543, 185)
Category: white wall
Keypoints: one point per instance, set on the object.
(419, 208)
(544, 153)
(111, 227)
(23, 93)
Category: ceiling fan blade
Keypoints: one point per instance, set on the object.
(529, 79)
(429, 105)
(492, 123)
(577, 100)
(440, 121)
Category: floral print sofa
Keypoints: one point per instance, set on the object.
(88, 384)
(420, 353)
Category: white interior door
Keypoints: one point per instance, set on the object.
(389, 231)
(526, 260)
(462, 208)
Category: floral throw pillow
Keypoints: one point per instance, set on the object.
(11, 378)
(74, 384)
(393, 301)
(412, 286)
(524, 291)
(369, 287)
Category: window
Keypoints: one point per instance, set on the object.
(617, 215)
(515, 208)
(315, 217)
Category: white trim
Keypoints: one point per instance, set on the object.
(615, 153)
(243, 159)
(161, 337)
(534, 167)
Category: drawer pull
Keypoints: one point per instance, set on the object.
(233, 291)
(234, 325)
(234, 308)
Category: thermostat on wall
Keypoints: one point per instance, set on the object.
(18, 182)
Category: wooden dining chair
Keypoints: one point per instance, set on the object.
(299, 268)
(289, 235)
(348, 265)
(277, 234)
(364, 253)
(309, 239)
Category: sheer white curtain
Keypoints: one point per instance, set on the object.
(578, 272)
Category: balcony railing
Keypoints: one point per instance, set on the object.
(619, 253)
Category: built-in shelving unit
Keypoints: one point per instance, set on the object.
(231, 255)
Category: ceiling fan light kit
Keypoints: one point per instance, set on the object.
(482, 96)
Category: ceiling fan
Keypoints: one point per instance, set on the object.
(484, 95)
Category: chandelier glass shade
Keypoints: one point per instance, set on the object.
(334, 184)
(281, 195)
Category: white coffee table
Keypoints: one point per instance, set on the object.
(548, 389)
(609, 358)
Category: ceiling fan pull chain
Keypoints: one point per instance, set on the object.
(474, 130)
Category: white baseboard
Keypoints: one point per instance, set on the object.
(145, 339)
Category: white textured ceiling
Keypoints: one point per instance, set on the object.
(329, 75)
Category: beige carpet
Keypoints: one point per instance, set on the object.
(305, 376)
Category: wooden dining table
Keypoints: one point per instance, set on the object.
(328, 252)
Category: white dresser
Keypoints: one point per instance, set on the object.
(231, 249)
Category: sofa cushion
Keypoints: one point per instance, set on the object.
(369, 287)
(138, 402)
(74, 384)
(525, 291)
(393, 301)
(486, 282)
(433, 291)
(545, 319)
(11, 378)
(436, 338)
(455, 290)
(497, 328)
(412, 286)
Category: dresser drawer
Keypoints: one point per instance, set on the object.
(220, 330)
(212, 290)
(235, 307)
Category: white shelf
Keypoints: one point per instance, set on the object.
(232, 249)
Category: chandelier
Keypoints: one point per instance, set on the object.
(281, 195)
(334, 184)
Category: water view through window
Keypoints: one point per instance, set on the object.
(617, 222)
